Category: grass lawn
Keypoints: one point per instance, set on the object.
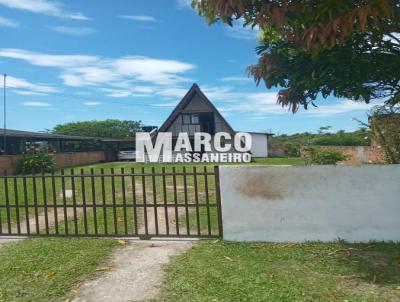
(46, 269)
(223, 271)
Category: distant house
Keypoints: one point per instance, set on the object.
(196, 113)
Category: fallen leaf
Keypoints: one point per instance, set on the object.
(215, 241)
(120, 241)
(228, 258)
(51, 274)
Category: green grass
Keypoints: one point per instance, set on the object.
(223, 271)
(46, 269)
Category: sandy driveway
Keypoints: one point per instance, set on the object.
(134, 274)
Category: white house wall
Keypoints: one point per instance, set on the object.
(259, 146)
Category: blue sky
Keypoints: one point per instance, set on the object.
(134, 59)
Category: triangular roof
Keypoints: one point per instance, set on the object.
(195, 89)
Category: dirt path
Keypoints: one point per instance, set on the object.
(134, 274)
(135, 271)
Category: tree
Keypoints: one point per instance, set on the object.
(324, 129)
(385, 124)
(108, 128)
(360, 137)
(345, 48)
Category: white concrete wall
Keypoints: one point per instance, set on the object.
(259, 145)
(296, 204)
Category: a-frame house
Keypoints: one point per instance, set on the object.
(195, 113)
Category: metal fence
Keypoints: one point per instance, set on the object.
(155, 202)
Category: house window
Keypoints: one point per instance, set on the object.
(195, 119)
(186, 119)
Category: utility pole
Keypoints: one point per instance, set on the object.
(5, 116)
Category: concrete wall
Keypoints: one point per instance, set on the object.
(62, 160)
(276, 150)
(282, 204)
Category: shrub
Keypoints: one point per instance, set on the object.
(37, 162)
(385, 123)
(317, 156)
(292, 149)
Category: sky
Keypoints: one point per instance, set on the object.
(80, 60)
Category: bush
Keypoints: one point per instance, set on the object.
(385, 123)
(37, 162)
(317, 156)
(292, 149)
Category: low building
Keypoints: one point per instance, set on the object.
(67, 150)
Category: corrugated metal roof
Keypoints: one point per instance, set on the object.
(50, 136)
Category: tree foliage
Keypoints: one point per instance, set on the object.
(360, 137)
(109, 128)
(345, 48)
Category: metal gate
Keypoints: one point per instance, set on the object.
(165, 201)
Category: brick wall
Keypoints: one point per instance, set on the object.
(8, 162)
(72, 159)
(360, 154)
(62, 160)
(276, 150)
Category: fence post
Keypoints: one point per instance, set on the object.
(218, 197)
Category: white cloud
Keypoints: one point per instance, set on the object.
(84, 70)
(169, 104)
(343, 106)
(47, 7)
(235, 79)
(152, 70)
(172, 92)
(75, 31)
(36, 104)
(8, 22)
(48, 60)
(24, 87)
(184, 4)
(117, 93)
(141, 18)
(90, 75)
(92, 103)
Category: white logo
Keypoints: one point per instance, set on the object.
(222, 147)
